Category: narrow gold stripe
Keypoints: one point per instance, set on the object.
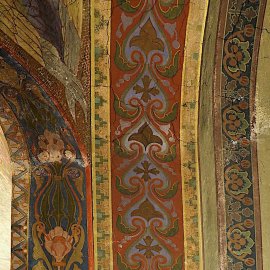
(93, 130)
(109, 145)
(101, 155)
(206, 151)
(204, 9)
(189, 133)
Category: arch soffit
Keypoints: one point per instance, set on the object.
(17, 89)
(66, 80)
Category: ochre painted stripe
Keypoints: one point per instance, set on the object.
(108, 42)
(100, 127)
(93, 130)
(188, 135)
(206, 151)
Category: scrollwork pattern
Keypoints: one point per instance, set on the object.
(147, 57)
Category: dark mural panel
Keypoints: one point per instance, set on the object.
(56, 222)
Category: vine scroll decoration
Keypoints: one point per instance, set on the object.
(240, 180)
(147, 57)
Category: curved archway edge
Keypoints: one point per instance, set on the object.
(58, 170)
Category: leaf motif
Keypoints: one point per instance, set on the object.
(39, 181)
(123, 189)
(175, 11)
(44, 16)
(119, 60)
(122, 227)
(122, 266)
(77, 255)
(124, 5)
(169, 117)
(179, 264)
(38, 252)
(78, 181)
(147, 211)
(122, 112)
(172, 231)
(148, 40)
(169, 157)
(145, 136)
(171, 71)
(120, 151)
(171, 193)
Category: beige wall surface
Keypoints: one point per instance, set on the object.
(206, 142)
(5, 203)
(263, 134)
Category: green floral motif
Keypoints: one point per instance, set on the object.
(233, 211)
(236, 124)
(237, 266)
(238, 182)
(100, 22)
(240, 55)
(99, 77)
(174, 11)
(241, 242)
(127, 7)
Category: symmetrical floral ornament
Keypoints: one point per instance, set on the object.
(240, 55)
(51, 146)
(147, 211)
(57, 171)
(58, 243)
(148, 249)
(146, 171)
(56, 220)
(146, 64)
(146, 90)
(145, 136)
(147, 40)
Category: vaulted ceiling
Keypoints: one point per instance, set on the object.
(134, 134)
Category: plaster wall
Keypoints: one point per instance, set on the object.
(5, 202)
(263, 133)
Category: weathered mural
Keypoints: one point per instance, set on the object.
(239, 216)
(49, 228)
(146, 60)
(132, 129)
(56, 35)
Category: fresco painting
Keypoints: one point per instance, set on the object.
(135, 134)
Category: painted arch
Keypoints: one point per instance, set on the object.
(164, 104)
(49, 200)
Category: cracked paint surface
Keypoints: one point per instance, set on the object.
(147, 47)
(173, 166)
